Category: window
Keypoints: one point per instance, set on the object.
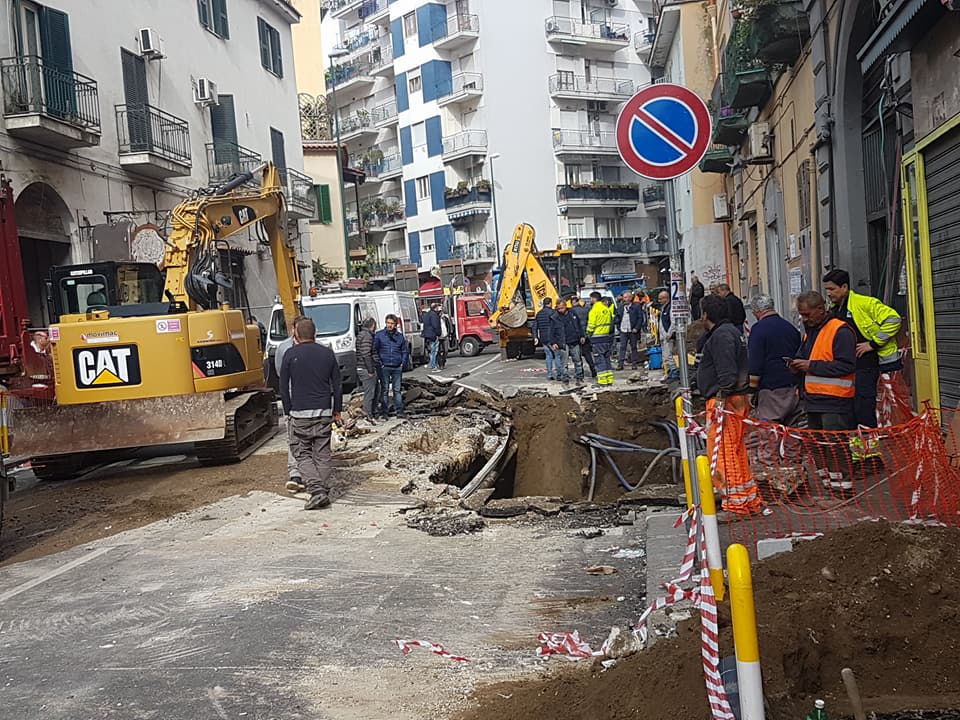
(213, 16)
(277, 149)
(270, 56)
(414, 81)
(475, 308)
(418, 134)
(410, 24)
(423, 187)
(803, 193)
(223, 125)
(324, 208)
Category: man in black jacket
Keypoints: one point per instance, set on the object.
(543, 331)
(368, 367)
(310, 389)
(570, 336)
(431, 332)
(579, 308)
(696, 296)
(736, 313)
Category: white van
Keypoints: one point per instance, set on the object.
(338, 317)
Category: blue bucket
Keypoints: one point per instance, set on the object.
(655, 358)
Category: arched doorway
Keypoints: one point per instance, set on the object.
(43, 224)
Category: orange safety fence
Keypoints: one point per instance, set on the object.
(811, 481)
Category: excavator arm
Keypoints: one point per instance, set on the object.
(520, 261)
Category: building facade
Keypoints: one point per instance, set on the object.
(468, 120)
(108, 125)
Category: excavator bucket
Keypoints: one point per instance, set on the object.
(516, 315)
(51, 430)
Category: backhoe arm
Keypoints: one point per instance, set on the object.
(516, 257)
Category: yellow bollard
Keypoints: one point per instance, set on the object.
(744, 616)
(711, 530)
(684, 452)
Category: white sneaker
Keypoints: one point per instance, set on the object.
(295, 485)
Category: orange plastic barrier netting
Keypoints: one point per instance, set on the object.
(812, 481)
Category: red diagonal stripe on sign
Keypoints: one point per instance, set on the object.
(665, 133)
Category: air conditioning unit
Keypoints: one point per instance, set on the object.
(151, 46)
(553, 26)
(760, 144)
(205, 93)
(721, 208)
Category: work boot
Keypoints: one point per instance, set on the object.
(295, 485)
(619, 367)
(317, 500)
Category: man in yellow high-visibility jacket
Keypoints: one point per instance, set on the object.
(600, 334)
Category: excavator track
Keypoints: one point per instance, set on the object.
(251, 420)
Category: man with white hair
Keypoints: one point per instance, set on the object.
(773, 340)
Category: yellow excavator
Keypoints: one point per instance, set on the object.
(146, 355)
(527, 276)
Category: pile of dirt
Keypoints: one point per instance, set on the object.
(876, 597)
(550, 461)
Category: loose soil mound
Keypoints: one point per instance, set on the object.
(550, 461)
(879, 598)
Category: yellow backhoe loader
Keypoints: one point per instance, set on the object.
(527, 276)
(146, 356)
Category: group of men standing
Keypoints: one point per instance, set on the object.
(575, 331)
(830, 372)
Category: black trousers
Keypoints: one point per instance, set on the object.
(865, 400)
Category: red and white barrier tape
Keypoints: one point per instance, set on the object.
(406, 647)
(568, 644)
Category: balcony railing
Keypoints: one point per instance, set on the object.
(342, 74)
(622, 194)
(374, 168)
(384, 113)
(32, 86)
(359, 41)
(381, 56)
(614, 245)
(383, 268)
(301, 199)
(585, 141)
(226, 159)
(146, 129)
(557, 26)
(461, 85)
(372, 7)
(458, 198)
(314, 120)
(457, 23)
(568, 83)
(475, 251)
(360, 120)
(465, 141)
(643, 43)
(335, 6)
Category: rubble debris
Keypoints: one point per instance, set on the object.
(446, 523)
(621, 643)
(669, 495)
(505, 507)
(601, 570)
(477, 499)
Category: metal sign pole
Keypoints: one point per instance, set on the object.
(680, 314)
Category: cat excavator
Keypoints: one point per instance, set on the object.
(527, 277)
(145, 355)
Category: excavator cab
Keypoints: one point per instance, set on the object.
(126, 289)
(558, 264)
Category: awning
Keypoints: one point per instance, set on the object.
(667, 26)
(899, 30)
(469, 212)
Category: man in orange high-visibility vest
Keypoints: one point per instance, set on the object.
(828, 361)
(722, 379)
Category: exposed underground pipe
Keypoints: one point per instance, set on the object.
(478, 479)
(593, 473)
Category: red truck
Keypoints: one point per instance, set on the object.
(472, 319)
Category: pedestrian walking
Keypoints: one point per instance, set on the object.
(579, 308)
(394, 352)
(572, 336)
(543, 330)
(310, 390)
(876, 326)
(600, 331)
(722, 377)
(735, 310)
(697, 292)
(432, 327)
(828, 362)
(629, 320)
(447, 333)
(666, 334)
(368, 366)
(294, 481)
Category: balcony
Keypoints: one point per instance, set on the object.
(226, 159)
(643, 44)
(463, 88)
(746, 80)
(359, 41)
(356, 76)
(374, 11)
(49, 106)
(340, 8)
(599, 195)
(384, 115)
(357, 125)
(474, 253)
(730, 128)
(152, 142)
(654, 200)
(468, 143)
(376, 166)
(568, 31)
(383, 268)
(567, 86)
(381, 61)
(779, 32)
(459, 31)
(584, 142)
(645, 247)
(380, 215)
(468, 204)
(300, 195)
(717, 159)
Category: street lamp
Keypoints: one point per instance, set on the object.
(338, 53)
(493, 202)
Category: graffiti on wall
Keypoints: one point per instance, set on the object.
(712, 274)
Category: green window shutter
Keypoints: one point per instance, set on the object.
(203, 11)
(220, 23)
(324, 208)
(223, 125)
(275, 47)
(55, 39)
(262, 28)
(278, 150)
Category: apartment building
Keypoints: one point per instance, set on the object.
(468, 120)
(115, 112)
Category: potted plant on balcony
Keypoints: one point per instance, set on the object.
(730, 126)
(779, 28)
(483, 185)
(372, 159)
(746, 80)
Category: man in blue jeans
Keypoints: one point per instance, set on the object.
(394, 353)
(543, 330)
(431, 332)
